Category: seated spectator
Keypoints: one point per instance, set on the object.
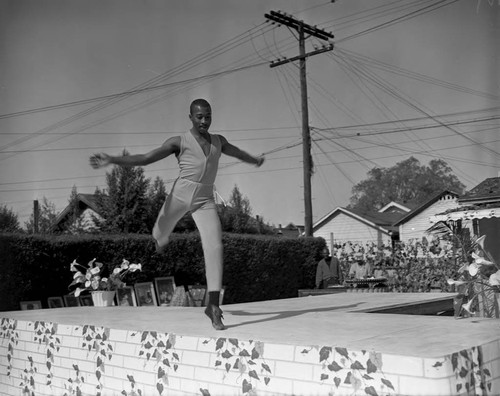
(359, 269)
(328, 271)
(380, 272)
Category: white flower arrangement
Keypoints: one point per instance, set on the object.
(91, 278)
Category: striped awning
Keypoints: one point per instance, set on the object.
(467, 215)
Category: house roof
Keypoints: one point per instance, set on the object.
(486, 191)
(424, 206)
(468, 212)
(290, 231)
(385, 219)
(395, 207)
(84, 201)
(380, 221)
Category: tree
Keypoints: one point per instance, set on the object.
(46, 218)
(236, 216)
(124, 204)
(407, 182)
(155, 196)
(9, 221)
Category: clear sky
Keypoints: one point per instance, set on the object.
(433, 61)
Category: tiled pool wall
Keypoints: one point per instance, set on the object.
(47, 358)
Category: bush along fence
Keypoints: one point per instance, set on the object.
(256, 267)
(416, 266)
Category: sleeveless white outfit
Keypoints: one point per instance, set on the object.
(193, 191)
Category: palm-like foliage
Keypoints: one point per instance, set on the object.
(479, 275)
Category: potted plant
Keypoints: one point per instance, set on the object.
(478, 283)
(102, 288)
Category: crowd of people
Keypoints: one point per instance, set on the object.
(416, 266)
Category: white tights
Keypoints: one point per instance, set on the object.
(197, 198)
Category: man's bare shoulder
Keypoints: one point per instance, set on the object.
(174, 141)
(222, 139)
(170, 146)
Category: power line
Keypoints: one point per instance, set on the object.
(266, 129)
(371, 62)
(412, 128)
(209, 54)
(358, 18)
(108, 118)
(392, 146)
(413, 14)
(394, 92)
(340, 127)
(125, 146)
(126, 93)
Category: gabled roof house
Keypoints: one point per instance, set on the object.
(479, 210)
(345, 225)
(83, 212)
(413, 225)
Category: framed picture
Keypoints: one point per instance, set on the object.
(126, 297)
(86, 301)
(165, 288)
(71, 301)
(28, 305)
(198, 293)
(55, 302)
(221, 297)
(145, 294)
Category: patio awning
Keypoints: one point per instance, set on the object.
(467, 215)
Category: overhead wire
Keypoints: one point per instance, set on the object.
(207, 55)
(282, 148)
(411, 128)
(383, 108)
(371, 14)
(375, 63)
(396, 93)
(397, 146)
(351, 37)
(159, 77)
(369, 125)
(126, 93)
(122, 112)
(421, 11)
(126, 111)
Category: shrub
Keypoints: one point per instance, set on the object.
(256, 267)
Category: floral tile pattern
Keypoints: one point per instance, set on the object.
(45, 358)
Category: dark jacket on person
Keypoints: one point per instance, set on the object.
(328, 272)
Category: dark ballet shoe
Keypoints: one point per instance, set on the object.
(215, 315)
(159, 249)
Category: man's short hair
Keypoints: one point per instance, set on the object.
(198, 102)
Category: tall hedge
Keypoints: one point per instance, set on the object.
(256, 267)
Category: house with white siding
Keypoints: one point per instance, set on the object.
(414, 224)
(479, 211)
(343, 225)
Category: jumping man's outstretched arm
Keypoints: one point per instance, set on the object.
(233, 151)
(171, 146)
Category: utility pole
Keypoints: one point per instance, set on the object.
(303, 29)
